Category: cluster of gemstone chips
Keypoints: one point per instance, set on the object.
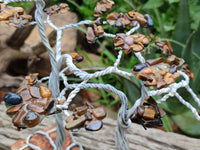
(158, 72)
(118, 20)
(15, 15)
(86, 116)
(136, 42)
(55, 9)
(148, 114)
(30, 103)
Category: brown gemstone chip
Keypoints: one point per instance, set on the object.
(31, 119)
(36, 108)
(75, 123)
(144, 77)
(149, 113)
(15, 109)
(81, 110)
(18, 119)
(41, 101)
(99, 113)
(156, 61)
(26, 96)
(90, 36)
(45, 92)
(35, 92)
(94, 125)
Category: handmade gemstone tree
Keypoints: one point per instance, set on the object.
(33, 100)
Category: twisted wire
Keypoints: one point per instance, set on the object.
(54, 76)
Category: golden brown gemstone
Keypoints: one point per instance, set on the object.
(45, 92)
(9, 12)
(41, 101)
(147, 71)
(93, 125)
(176, 75)
(119, 43)
(174, 60)
(15, 109)
(169, 49)
(2, 6)
(35, 92)
(168, 75)
(95, 30)
(75, 123)
(3, 17)
(31, 119)
(161, 84)
(100, 29)
(169, 80)
(18, 119)
(136, 47)
(144, 77)
(99, 113)
(149, 113)
(36, 108)
(156, 61)
(153, 83)
(81, 110)
(112, 16)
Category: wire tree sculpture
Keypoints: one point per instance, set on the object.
(159, 74)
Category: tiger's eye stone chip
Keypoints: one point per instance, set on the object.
(31, 119)
(144, 77)
(26, 96)
(18, 119)
(94, 125)
(152, 62)
(75, 123)
(36, 108)
(35, 92)
(149, 113)
(3, 17)
(81, 110)
(15, 109)
(99, 113)
(45, 92)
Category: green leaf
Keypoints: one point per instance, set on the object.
(182, 30)
(153, 4)
(187, 123)
(196, 44)
(166, 124)
(187, 51)
(133, 91)
(173, 1)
